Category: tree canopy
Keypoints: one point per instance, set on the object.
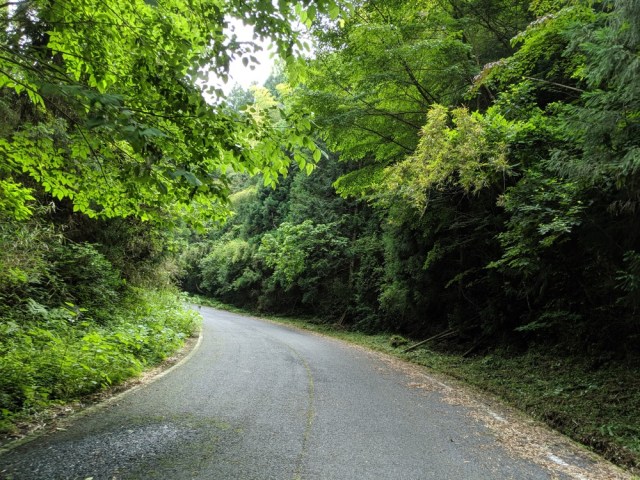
(485, 151)
(104, 107)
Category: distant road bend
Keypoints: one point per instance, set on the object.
(262, 401)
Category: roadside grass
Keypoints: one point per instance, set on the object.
(592, 401)
(56, 358)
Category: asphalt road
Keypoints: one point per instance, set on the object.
(262, 401)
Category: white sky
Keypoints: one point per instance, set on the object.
(244, 75)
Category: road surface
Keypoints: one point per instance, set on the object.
(262, 401)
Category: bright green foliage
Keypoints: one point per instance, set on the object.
(111, 115)
(548, 221)
(541, 55)
(471, 155)
(56, 356)
(71, 322)
(15, 198)
(376, 73)
(292, 249)
(301, 251)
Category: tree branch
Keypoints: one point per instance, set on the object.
(555, 84)
(384, 137)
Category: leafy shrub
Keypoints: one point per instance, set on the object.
(311, 263)
(82, 276)
(230, 270)
(56, 357)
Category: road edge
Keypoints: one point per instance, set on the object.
(483, 406)
(107, 398)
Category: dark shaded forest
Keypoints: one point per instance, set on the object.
(478, 177)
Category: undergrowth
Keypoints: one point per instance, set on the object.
(55, 355)
(595, 402)
(597, 405)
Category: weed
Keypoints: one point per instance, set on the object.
(50, 359)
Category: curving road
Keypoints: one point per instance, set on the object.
(262, 401)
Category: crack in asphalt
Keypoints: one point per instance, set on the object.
(310, 411)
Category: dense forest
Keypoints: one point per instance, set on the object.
(478, 175)
(462, 168)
